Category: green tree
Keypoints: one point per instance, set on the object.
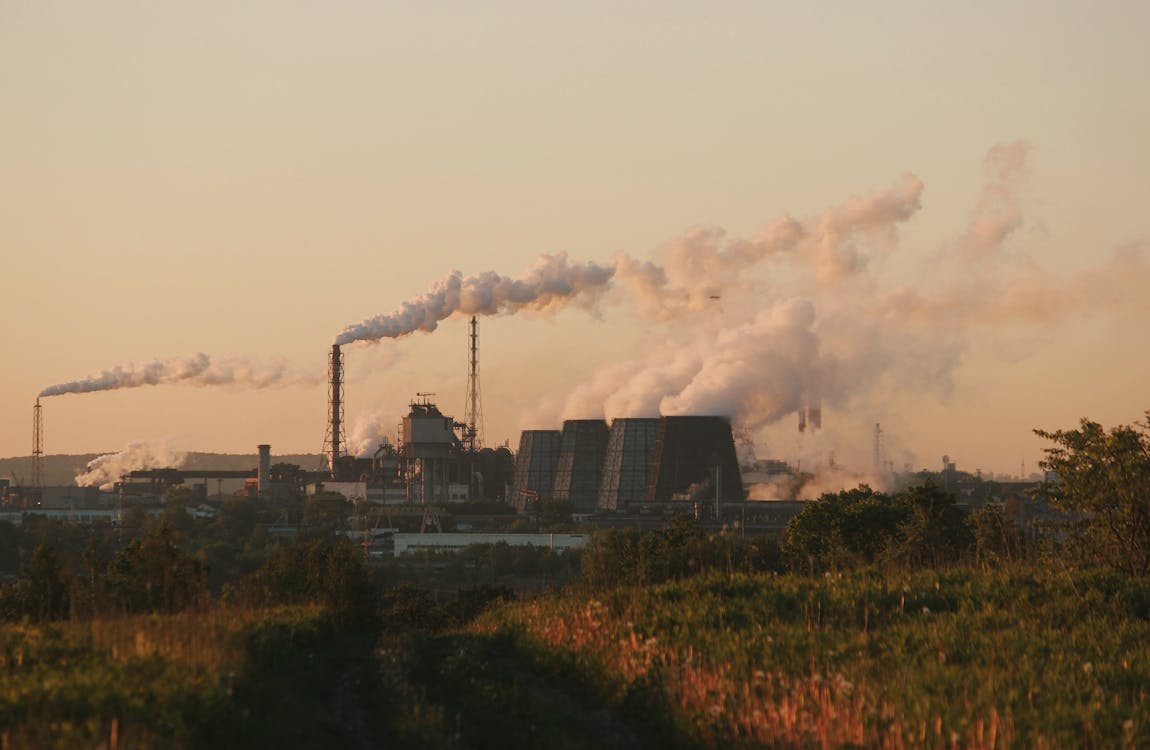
(325, 515)
(152, 574)
(10, 538)
(843, 529)
(332, 573)
(996, 535)
(44, 585)
(934, 532)
(554, 512)
(1104, 476)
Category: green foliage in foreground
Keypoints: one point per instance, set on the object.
(227, 677)
(1018, 657)
(1105, 476)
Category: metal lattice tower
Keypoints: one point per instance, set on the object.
(333, 441)
(37, 445)
(878, 447)
(473, 412)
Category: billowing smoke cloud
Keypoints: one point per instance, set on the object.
(999, 211)
(823, 325)
(756, 372)
(371, 429)
(198, 370)
(830, 249)
(551, 283)
(104, 471)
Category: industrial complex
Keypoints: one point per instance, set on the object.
(638, 471)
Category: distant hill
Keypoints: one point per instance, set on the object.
(62, 469)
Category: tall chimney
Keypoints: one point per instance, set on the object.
(265, 469)
(334, 442)
(37, 445)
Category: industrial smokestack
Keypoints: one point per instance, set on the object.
(37, 445)
(333, 444)
(265, 468)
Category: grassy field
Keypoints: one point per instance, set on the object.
(227, 677)
(962, 658)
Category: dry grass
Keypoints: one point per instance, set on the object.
(771, 709)
(940, 661)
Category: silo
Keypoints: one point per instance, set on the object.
(630, 446)
(580, 463)
(687, 452)
(535, 465)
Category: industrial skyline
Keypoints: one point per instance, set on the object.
(961, 259)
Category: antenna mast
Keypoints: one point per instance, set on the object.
(473, 416)
(37, 445)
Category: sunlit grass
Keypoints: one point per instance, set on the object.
(961, 658)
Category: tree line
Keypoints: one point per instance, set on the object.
(1100, 482)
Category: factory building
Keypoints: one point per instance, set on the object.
(430, 451)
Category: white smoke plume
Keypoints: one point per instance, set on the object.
(104, 471)
(704, 264)
(198, 369)
(371, 429)
(755, 372)
(999, 212)
(822, 324)
(551, 283)
(692, 270)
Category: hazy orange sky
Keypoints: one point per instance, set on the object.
(246, 179)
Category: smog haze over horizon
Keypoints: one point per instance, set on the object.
(921, 216)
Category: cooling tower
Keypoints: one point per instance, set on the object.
(630, 447)
(535, 464)
(580, 463)
(687, 451)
